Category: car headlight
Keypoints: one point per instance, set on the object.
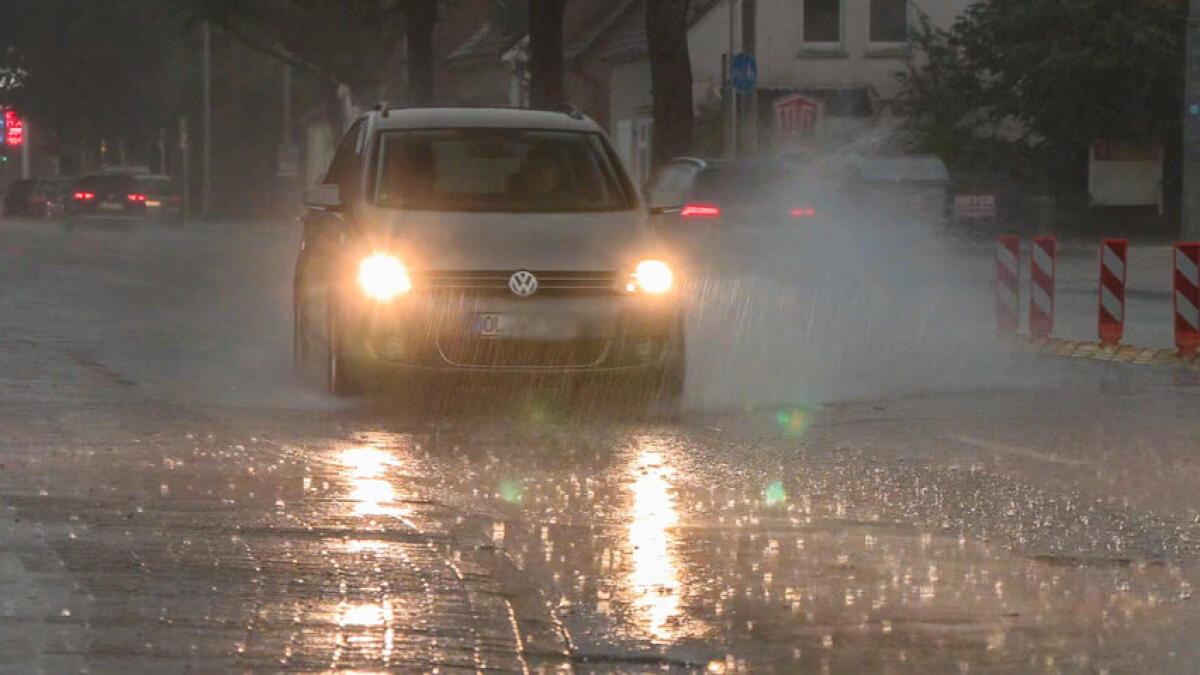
(654, 277)
(383, 277)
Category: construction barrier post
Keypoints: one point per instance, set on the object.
(1187, 297)
(1008, 260)
(1041, 276)
(1114, 255)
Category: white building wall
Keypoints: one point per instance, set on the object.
(784, 61)
(631, 107)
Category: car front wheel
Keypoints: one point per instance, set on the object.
(340, 378)
(672, 377)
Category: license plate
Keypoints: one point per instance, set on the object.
(153, 202)
(491, 325)
(109, 206)
(525, 326)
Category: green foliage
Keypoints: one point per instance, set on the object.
(1050, 76)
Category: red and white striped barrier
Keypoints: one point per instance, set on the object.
(1187, 297)
(1008, 284)
(1041, 277)
(1114, 254)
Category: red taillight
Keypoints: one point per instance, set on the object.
(803, 212)
(136, 198)
(84, 196)
(701, 211)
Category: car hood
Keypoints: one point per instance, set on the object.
(510, 241)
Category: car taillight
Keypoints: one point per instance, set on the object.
(803, 212)
(84, 196)
(701, 211)
(136, 198)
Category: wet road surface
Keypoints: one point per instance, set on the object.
(173, 498)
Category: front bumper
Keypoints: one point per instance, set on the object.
(435, 331)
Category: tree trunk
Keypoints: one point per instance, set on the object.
(670, 78)
(420, 17)
(546, 88)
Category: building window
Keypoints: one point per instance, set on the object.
(889, 20)
(822, 20)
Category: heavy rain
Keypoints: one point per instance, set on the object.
(629, 336)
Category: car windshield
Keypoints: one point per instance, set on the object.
(104, 185)
(739, 183)
(509, 170)
(156, 185)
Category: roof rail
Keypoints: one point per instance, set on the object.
(568, 110)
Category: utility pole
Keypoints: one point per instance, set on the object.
(732, 106)
(206, 171)
(185, 151)
(162, 150)
(750, 46)
(287, 160)
(26, 141)
(1191, 128)
(287, 103)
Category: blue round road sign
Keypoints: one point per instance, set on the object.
(743, 72)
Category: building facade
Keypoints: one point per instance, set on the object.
(826, 68)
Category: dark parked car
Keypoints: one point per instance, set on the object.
(17, 195)
(736, 192)
(125, 196)
(718, 212)
(37, 197)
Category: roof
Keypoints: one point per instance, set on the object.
(608, 17)
(485, 118)
(602, 21)
(489, 42)
(914, 168)
(726, 164)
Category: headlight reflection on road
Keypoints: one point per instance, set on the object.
(363, 615)
(366, 462)
(372, 494)
(359, 620)
(654, 575)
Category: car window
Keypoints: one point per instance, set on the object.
(21, 187)
(511, 170)
(156, 185)
(103, 185)
(739, 184)
(673, 183)
(344, 165)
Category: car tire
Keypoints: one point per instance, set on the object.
(339, 368)
(302, 315)
(672, 378)
(301, 356)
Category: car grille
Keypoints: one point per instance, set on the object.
(486, 282)
(486, 353)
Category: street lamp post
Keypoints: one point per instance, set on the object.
(1191, 127)
(206, 170)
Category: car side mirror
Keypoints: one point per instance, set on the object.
(660, 202)
(326, 196)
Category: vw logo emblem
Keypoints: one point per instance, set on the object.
(523, 284)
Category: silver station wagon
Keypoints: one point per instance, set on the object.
(484, 241)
